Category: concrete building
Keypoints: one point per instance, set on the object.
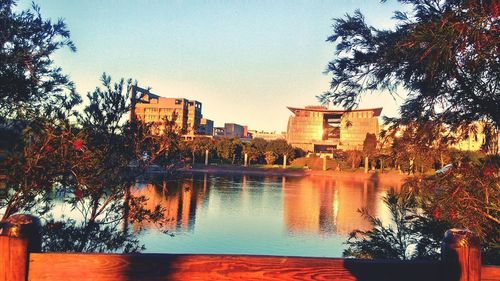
(193, 116)
(318, 129)
(219, 132)
(206, 127)
(232, 130)
(269, 136)
(154, 108)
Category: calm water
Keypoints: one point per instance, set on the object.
(237, 214)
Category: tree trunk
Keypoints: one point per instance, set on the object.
(366, 164)
(126, 209)
(89, 226)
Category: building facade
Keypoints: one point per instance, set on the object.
(186, 114)
(206, 127)
(232, 130)
(318, 129)
(269, 136)
(219, 132)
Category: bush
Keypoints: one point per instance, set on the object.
(411, 235)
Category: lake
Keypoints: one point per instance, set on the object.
(271, 215)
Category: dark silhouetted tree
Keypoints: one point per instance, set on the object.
(445, 54)
(31, 85)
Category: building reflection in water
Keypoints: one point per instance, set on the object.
(180, 199)
(329, 205)
(310, 205)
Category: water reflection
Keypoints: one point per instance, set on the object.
(329, 205)
(243, 214)
(180, 199)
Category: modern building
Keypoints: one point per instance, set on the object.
(154, 108)
(232, 130)
(269, 136)
(206, 127)
(193, 116)
(219, 132)
(318, 129)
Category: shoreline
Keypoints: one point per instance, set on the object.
(237, 170)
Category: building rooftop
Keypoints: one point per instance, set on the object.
(376, 111)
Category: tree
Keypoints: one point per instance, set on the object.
(91, 164)
(466, 197)
(229, 149)
(36, 100)
(30, 84)
(260, 145)
(270, 157)
(251, 152)
(281, 148)
(369, 148)
(354, 157)
(444, 53)
(410, 235)
(105, 165)
(199, 146)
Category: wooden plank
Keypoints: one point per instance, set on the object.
(461, 255)
(490, 273)
(81, 267)
(4, 260)
(13, 258)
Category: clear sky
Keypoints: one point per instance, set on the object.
(244, 60)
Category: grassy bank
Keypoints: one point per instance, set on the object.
(274, 170)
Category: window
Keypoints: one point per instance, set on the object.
(178, 101)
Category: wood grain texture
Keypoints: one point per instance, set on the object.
(461, 255)
(59, 266)
(13, 258)
(490, 273)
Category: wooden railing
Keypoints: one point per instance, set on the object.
(19, 261)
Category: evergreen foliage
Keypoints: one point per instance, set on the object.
(443, 53)
(30, 84)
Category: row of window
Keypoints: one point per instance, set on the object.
(361, 114)
(160, 110)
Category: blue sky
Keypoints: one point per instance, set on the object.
(244, 60)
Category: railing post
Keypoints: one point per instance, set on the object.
(461, 256)
(19, 235)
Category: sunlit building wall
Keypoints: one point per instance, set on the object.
(154, 109)
(232, 130)
(269, 136)
(318, 129)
